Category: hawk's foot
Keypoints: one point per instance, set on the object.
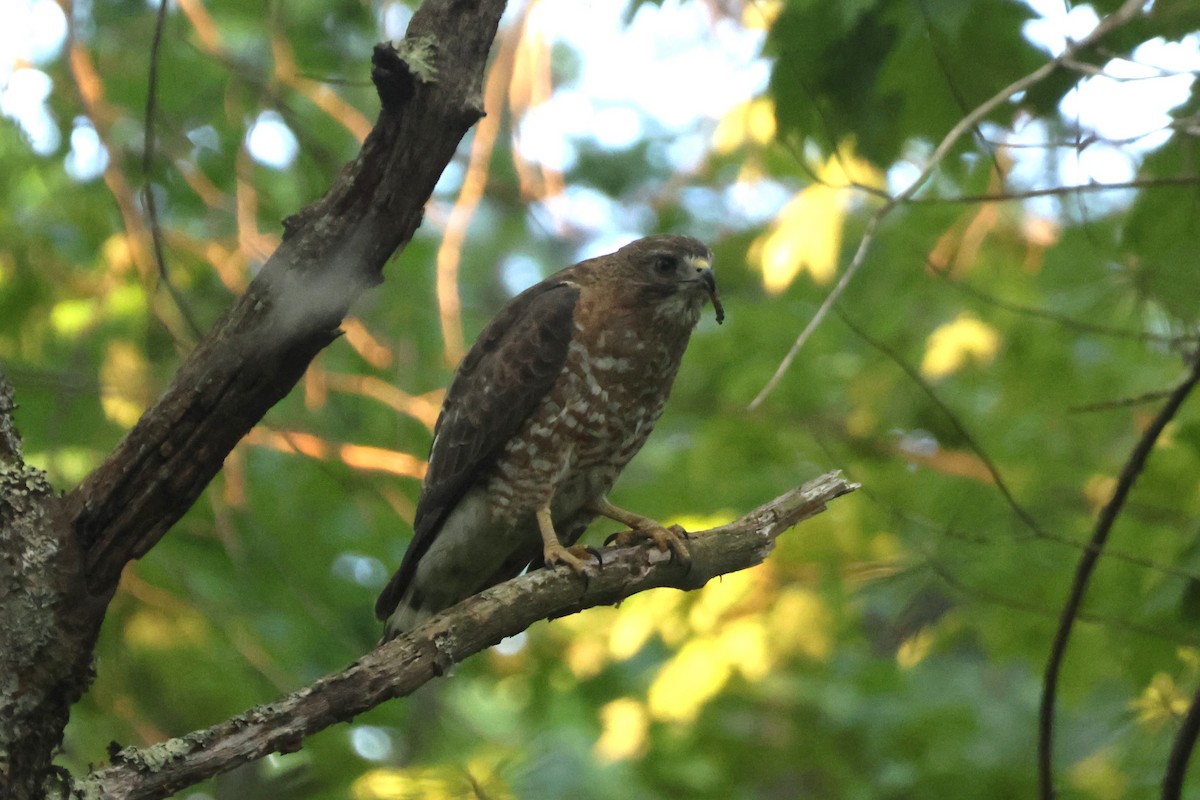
(665, 539)
(575, 557)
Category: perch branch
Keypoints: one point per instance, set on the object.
(401, 666)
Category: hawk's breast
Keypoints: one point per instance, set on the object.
(595, 418)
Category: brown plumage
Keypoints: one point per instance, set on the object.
(558, 393)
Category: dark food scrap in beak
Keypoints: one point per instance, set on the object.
(710, 283)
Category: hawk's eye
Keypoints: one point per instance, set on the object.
(664, 265)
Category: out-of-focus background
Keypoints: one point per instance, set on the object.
(984, 376)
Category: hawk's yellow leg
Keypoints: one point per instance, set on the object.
(553, 551)
(642, 529)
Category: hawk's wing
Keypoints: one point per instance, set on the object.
(505, 375)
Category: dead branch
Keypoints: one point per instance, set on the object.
(401, 666)
(332, 252)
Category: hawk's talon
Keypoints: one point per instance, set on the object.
(679, 551)
(596, 554)
(667, 540)
(555, 554)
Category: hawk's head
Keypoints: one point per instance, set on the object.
(671, 274)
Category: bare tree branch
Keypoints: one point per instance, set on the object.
(148, 201)
(332, 251)
(1083, 573)
(401, 666)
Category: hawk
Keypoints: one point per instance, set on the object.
(556, 396)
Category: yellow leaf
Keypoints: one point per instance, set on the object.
(126, 302)
(585, 656)
(1162, 701)
(688, 681)
(478, 778)
(625, 725)
(717, 598)
(912, 651)
(638, 619)
(746, 643)
(124, 383)
(1099, 776)
(760, 15)
(72, 317)
(1099, 490)
(799, 622)
(69, 464)
(117, 253)
(952, 345)
(806, 235)
(752, 121)
(157, 630)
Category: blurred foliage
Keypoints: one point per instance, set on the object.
(890, 648)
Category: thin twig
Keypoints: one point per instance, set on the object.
(994, 471)
(1181, 751)
(1029, 607)
(1056, 191)
(475, 179)
(1083, 572)
(823, 310)
(980, 540)
(147, 163)
(1121, 16)
(948, 76)
(1050, 316)
(1121, 402)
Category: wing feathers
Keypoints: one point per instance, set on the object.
(500, 382)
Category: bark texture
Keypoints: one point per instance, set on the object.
(42, 633)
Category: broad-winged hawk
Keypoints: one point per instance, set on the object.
(558, 393)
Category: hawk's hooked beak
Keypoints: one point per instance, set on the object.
(706, 276)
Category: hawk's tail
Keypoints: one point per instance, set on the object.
(403, 619)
